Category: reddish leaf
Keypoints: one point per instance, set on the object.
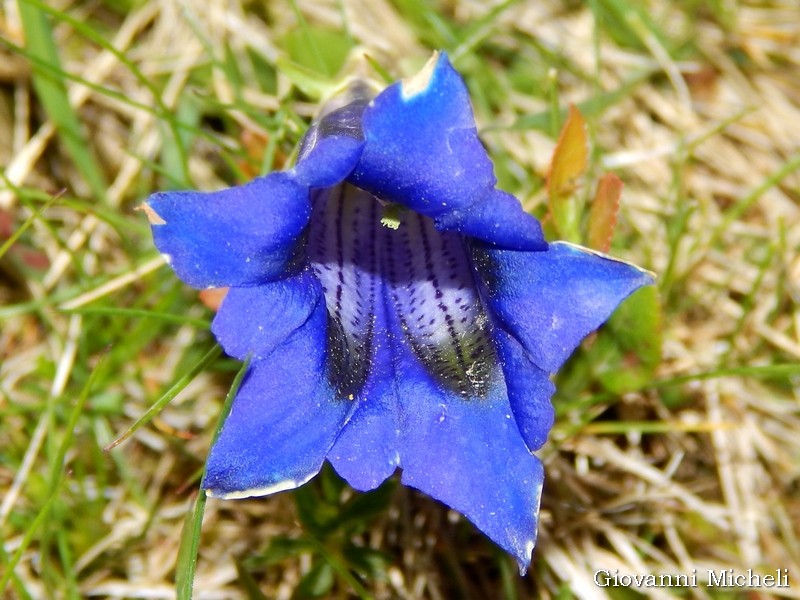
(19, 251)
(6, 225)
(213, 297)
(603, 216)
(34, 259)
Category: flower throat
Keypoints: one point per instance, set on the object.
(409, 281)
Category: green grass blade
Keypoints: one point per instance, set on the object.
(760, 371)
(16, 582)
(651, 427)
(340, 569)
(478, 31)
(309, 39)
(248, 582)
(741, 207)
(57, 476)
(26, 541)
(190, 545)
(170, 394)
(65, 553)
(176, 140)
(52, 93)
(138, 312)
(192, 528)
(592, 107)
(26, 224)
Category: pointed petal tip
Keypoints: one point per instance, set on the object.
(239, 236)
(524, 559)
(421, 144)
(420, 82)
(649, 276)
(152, 215)
(470, 456)
(549, 301)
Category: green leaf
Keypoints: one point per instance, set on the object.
(626, 359)
(316, 583)
(302, 45)
(310, 82)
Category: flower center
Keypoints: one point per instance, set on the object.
(388, 289)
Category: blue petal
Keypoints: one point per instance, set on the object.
(468, 453)
(252, 321)
(529, 391)
(283, 420)
(498, 219)
(342, 249)
(366, 452)
(239, 236)
(341, 116)
(245, 235)
(551, 300)
(346, 243)
(422, 149)
(431, 298)
(329, 161)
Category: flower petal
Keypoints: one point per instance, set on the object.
(246, 235)
(329, 161)
(469, 455)
(345, 244)
(283, 420)
(366, 452)
(422, 151)
(341, 116)
(342, 249)
(431, 296)
(238, 236)
(551, 300)
(499, 220)
(252, 321)
(422, 148)
(529, 391)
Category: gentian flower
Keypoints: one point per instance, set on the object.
(398, 310)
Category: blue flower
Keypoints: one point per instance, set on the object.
(398, 309)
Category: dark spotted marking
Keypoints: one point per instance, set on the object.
(422, 276)
(342, 251)
(429, 272)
